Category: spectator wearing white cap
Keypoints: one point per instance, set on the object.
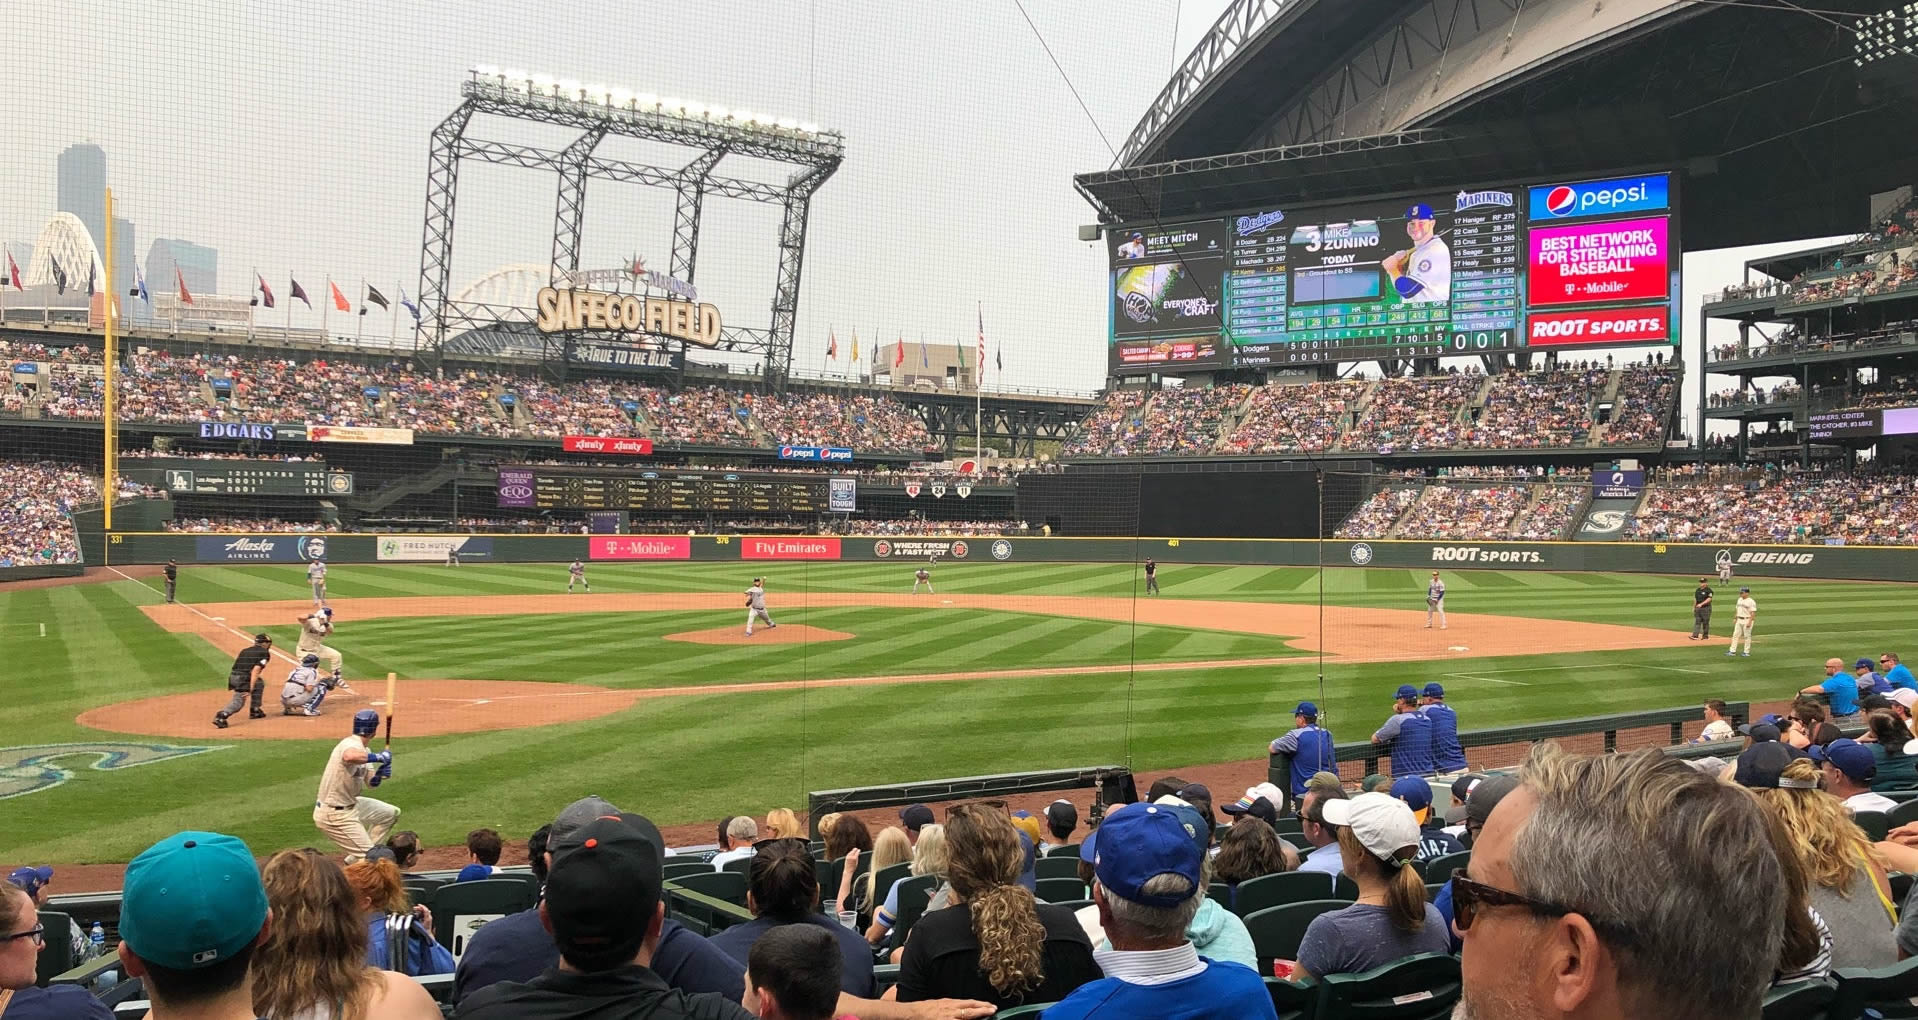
(1378, 838)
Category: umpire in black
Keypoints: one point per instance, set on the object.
(1702, 612)
(172, 578)
(248, 674)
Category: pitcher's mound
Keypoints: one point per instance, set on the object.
(424, 708)
(784, 634)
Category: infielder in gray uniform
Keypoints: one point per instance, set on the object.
(1435, 601)
(316, 576)
(756, 606)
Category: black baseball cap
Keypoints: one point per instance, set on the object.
(602, 894)
(915, 817)
(1062, 814)
(1760, 765)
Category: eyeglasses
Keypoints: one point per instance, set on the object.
(38, 935)
(1469, 897)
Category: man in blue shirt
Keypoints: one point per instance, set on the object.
(1448, 752)
(1408, 735)
(1307, 748)
(1842, 690)
(1896, 672)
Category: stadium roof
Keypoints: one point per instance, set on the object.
(1779, 132)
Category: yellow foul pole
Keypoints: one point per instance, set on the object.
(109, 459)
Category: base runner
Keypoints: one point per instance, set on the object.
(356, 823)
(756, 605)
(1435, 601)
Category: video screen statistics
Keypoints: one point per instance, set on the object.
(1466, 271)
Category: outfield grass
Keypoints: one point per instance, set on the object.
(703, 756)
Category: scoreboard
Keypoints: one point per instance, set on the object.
(1473, 270)
(1862, 423)
(186, 475)
(669, 491)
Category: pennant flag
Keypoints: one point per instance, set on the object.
(408, 305)
(266, 292)
(300, 292)
(185, 298)
(855, 346)
(899, 353)
(373, 294)
(923, 361)
(832, 345)
(89, 279)
(59, 275)
(13, 272)
(339, 300)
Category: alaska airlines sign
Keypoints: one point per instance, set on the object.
(564, 310)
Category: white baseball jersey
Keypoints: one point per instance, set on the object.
(312, 629)
(757, 595)
(1746, 607)
(316, 571)
(1132, 250)
(1430, 266)
(301, 680)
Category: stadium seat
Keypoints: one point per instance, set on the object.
(1875, 824)
(1422, 987)
(1900, 886)
(1070, 850)
(723, 885)
(1805, 1000)
(675, 869)
(57, 957)
(1026, 1011)
(1294, 1000)
(914, 894)
(1058, 867)
(1074, 905)
(1285, 887)
(1432, 890)
(738, 864)
(1277, 931)
(1886, 991)
(1439, 869)
(460, 909)
(889, 875)
(1058, 890)
(1903, 813)
(1343, 888)
(1290, 824)
(1221, 894)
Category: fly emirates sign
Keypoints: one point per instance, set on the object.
(564, 310)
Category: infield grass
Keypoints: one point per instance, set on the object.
(703, 756)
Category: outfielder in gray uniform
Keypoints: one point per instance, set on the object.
(1435, 601)
(756, 606)
(303, 690)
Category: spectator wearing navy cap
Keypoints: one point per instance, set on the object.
(1379, 838)
(192, 913)
(914, 817)
(1448, 753)
(1869, 682)
(1307, 749)
(21, 941)
(1434, 841)
(1148, 885)
(1407, 735)
(1848, 767)
(34, 882)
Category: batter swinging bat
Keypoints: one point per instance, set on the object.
(392, 679)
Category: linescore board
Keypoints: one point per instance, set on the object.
(1464, 271)
(606, 489)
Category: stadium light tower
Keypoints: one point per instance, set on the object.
(596, 111)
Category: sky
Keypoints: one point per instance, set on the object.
(293, 137)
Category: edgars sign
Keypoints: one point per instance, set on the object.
(563, 310)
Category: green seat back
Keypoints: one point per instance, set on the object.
(1805, 1000)
(1071, 850)
(1440, 868)
(723, 885)
(914, 894)
(57, 957)
(1422, 987)
(1285, 887)
(1294, 1000)
(887, 876)
(1903, 813)
(1887, 990)
(1059, 890)
(1277, 931)
(1058, 867)
(1875, 823)
(1220, 894)
(461, 908)
(738, 864)
(675, 869)
(1290, 823)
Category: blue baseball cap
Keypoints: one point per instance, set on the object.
(1307, 708)
(1142, 842)
(1848, 756)
(1434, 690)
(1862, 664)
(192, 900)
(1406, 691)
(1419, 211)
(1415, 792)
(31, 879)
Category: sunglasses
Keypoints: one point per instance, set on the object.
(38, 935)
(1469, 897)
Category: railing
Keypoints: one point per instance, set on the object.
(1114, 783)
(1904, 337)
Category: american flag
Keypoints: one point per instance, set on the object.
(982, 339)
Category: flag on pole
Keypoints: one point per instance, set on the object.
(855, 346)
(13, 272)
(899, 353)
(90, 279)
(266, 292)
(59, 275)
(139, 288)
(982, 337)
(373, 295)
(998, 359)
(300, 292)
(960, 350)
(924, 362)
(408, 305)
(185, 298)
(339, 300)
(832, 345)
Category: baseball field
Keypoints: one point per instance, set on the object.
(514, 696)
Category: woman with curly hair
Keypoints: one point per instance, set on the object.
(995, 942)
(382, 895)
(312, 963)
(1849, 890)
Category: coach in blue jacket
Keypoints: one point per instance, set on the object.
(1408, 735)
(1307, 748)
(1447, 753)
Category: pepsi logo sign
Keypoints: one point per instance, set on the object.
(1560, 200)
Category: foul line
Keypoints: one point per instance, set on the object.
(212, 620)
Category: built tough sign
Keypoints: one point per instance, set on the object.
(565, 310)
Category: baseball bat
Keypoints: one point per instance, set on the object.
(392, 679)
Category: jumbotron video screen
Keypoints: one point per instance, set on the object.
(1468, 270)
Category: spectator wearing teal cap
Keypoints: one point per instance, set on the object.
(192, 912)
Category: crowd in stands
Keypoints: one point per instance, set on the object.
(1551, 514)
(917, 526)
(199, 525)
(1860, 509)
(36, 502)
(1643, 406)
(1409, 415)
(859, 421)
(1375, 517)
(1111, 429)
(695, 415)
(1783, 393)
(1464, 512)
(1289, 419)
(1532, 409)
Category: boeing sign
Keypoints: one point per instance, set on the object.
(1601, 198)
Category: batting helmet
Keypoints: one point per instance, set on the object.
(366, 722)
(311, 660)
(327, 612)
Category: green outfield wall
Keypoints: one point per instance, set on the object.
(1805, 561)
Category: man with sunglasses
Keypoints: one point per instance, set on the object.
(1561, 917)
(1896, 673)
